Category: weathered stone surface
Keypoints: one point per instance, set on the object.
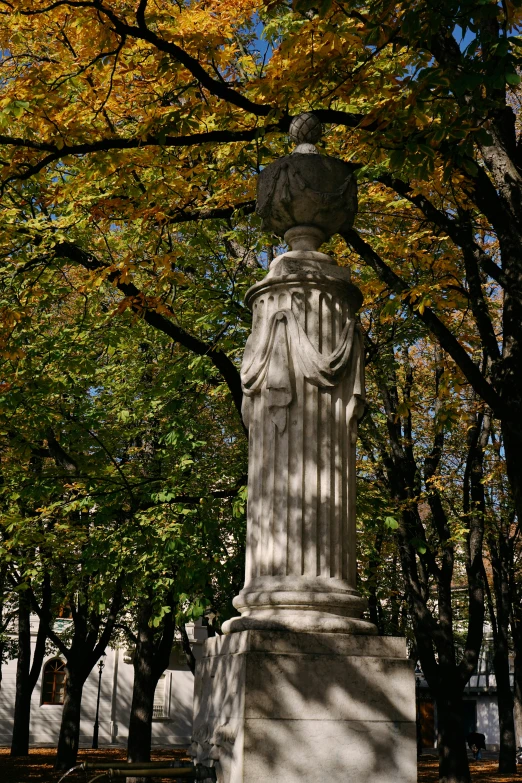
(300, 643)
(306, 751)
(303, 384)
(306, 188)
(274, 707)
(303, 380)
(305, 129)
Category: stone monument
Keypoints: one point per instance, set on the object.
(299, 687)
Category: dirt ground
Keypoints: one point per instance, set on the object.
(39, 767)
(481, 772)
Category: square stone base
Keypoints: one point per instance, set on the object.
(281, 707)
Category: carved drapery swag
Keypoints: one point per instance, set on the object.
(282, 350)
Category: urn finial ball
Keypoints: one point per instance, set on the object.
(305, 129)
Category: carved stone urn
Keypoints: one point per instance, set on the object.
(303, 384)
(306, 189)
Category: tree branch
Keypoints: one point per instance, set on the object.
(187, 649)
(452, 227)
(139, 304)
(56, 153)
(432, 322)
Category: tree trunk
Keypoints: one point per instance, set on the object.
(68, 741)
(516, 630)
(507, 761)
(87, 647)
(511, 372)
(22, 709)
(518, 702)
(153, 648)
(434, 632)
(4, 624)
(500, 561)
(453, 758)
(140, 723)
(27, 673)
(187, 649)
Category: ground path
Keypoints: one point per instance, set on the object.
(39, 767)
(481, 772)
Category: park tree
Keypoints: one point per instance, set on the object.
(434, 514)
(15, 595)
(180, 561)
(132, 133)
(516, 626)
(182, 541)
(502, 578)
(28, 663)
(417, 470)
(152, 637)
(51, 538)
(463, 431)
(118, 485)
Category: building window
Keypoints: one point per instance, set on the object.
(53, 682)
(159, 709)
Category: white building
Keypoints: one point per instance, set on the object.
(172, 722)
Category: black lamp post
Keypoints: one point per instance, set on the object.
(101, 665)
(418, 672)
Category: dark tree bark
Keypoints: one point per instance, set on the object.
(90, 638)
(27, 672)
(516, 631)
(5, 615)
(499, 613)
(453, 757)
(151, 658)
(187, 649)
(69, 738)
(22, 710)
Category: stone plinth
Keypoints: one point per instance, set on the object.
(279, 707)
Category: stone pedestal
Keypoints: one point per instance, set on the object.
(279, 707)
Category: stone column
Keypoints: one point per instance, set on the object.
(303, 381)
(299, 688)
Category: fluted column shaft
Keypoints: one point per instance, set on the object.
(304, 389)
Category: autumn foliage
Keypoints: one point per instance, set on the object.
(131, 135)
